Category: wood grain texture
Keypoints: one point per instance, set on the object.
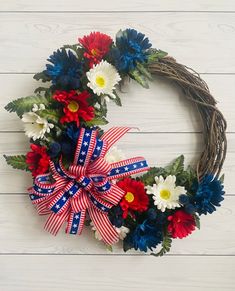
(43, 273)
(202, 41)
(149, 110)
(121, 5)
(158, 148)
(22, 232)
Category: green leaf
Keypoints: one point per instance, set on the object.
(144, 71)
(126, 245)
(75, 48)
(148, 178)
(138, 77)
(42, 76)
(17, 162)
(197, 220)
(52, 115)
(25, 104)
(155, 55)
(96, 121)
(186, 178)
(166, 246)
(117, 99)
(176, 167)
(109, 248)
(221, 179)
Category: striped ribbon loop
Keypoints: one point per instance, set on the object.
(86, 186)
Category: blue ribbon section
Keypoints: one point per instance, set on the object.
(99, 205)
(84, 147)
(97, 150)
(34, 197)
(75, 223)
(61, 202)
(44, 178)
(60, 171)
(104, 188)
(128, 168)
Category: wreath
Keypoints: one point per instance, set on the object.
(80, 179)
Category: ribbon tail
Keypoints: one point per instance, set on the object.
(76, 222)
(103, 225)
(112, 135)
(55, 221)
(42, 207)
(127, 168)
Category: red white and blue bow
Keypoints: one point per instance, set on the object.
(85, 186)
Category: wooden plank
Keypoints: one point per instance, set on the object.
(162, 108)
(22, 232)
(116, 273)
(121, 5)
(203, 41)
(158, 148)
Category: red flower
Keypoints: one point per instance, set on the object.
(96, 45)
(38, 160)
(181, 224)
(135, 197)
(75, 106)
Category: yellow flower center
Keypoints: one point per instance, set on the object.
(73, 106)
(129, 197)
(165, 194)
(100, 81)
(94, 52)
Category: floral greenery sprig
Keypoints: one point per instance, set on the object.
(163, 204)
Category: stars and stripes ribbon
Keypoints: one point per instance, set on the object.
(86, 186)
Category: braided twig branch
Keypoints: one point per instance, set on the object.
(213, 122)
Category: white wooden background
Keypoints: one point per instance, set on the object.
(199, 33)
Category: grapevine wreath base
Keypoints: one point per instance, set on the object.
(81, 179)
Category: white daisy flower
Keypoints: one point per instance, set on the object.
(166, 193)
(122, 232)
(114, 155)
(103, 78)
(97, 234)
(35, 126)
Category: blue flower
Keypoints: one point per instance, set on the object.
(146, 235)
(73, 132)
(65, 70)
(115, 216)
(131, 48)
(208, 195)
(66, 144)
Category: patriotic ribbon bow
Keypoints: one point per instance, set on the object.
(85, 186)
